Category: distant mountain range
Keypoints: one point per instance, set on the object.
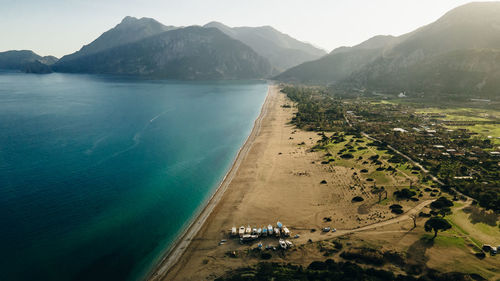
(459, 53)
(145, 47)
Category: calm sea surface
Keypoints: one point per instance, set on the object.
(99, 174)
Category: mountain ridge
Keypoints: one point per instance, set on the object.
(282, 50)
(182, 53)
(403, 63)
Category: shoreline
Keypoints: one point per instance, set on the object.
(181, 243)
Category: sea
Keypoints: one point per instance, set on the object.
(100, 174)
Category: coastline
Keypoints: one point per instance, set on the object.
(181, 243)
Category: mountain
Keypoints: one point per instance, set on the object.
(466, 72)
(455, 54)
(129, 30)
(182, 53)
(19, 60)
(280, 49)
(339, 64)
(465, 34)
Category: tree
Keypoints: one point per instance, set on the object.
(442, 206)
(436, 224)
(441, 202)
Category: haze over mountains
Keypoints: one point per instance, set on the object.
(281, 50)
(456, 54)
(145, 47)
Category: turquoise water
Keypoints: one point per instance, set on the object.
(99, 174)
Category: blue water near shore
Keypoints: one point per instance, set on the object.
(99, 174)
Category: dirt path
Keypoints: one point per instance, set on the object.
(406, 216)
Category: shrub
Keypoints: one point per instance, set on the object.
(265, 256)
(357, 199)
(364, 255)
(397, 211)
(480, 255)
(404, 193)
(347, 156)
(395, 206)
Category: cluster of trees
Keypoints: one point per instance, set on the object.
(316, 110)
(323, 110)
(331, 270)
(442, 206)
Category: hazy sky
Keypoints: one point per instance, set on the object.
(59, 27)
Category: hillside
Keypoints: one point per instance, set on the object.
(184, 53)
(280, 49)
(456, 54)
(470, 72)
(19, 60)
(129, 30)
(339, 64)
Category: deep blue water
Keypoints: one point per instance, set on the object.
(99, 174)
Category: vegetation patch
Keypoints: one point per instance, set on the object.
(357, 199)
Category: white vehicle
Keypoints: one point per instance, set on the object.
(269, 230)
(248, 230)
(286, 232)
(246, 237)
(254, 231)
(277, 232)
(288, 244)
(233, 231)
(241, 231)
(259, 231)
(282, 243)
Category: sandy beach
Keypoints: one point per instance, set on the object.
(276, 177)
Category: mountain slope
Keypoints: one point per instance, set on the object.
(465, 36)
(280, 49)
(129, 30)
(19, 60)
(469, 72)
(339, 64)
(457, 54)
(184, 53)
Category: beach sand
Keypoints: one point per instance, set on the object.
(275, 178)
